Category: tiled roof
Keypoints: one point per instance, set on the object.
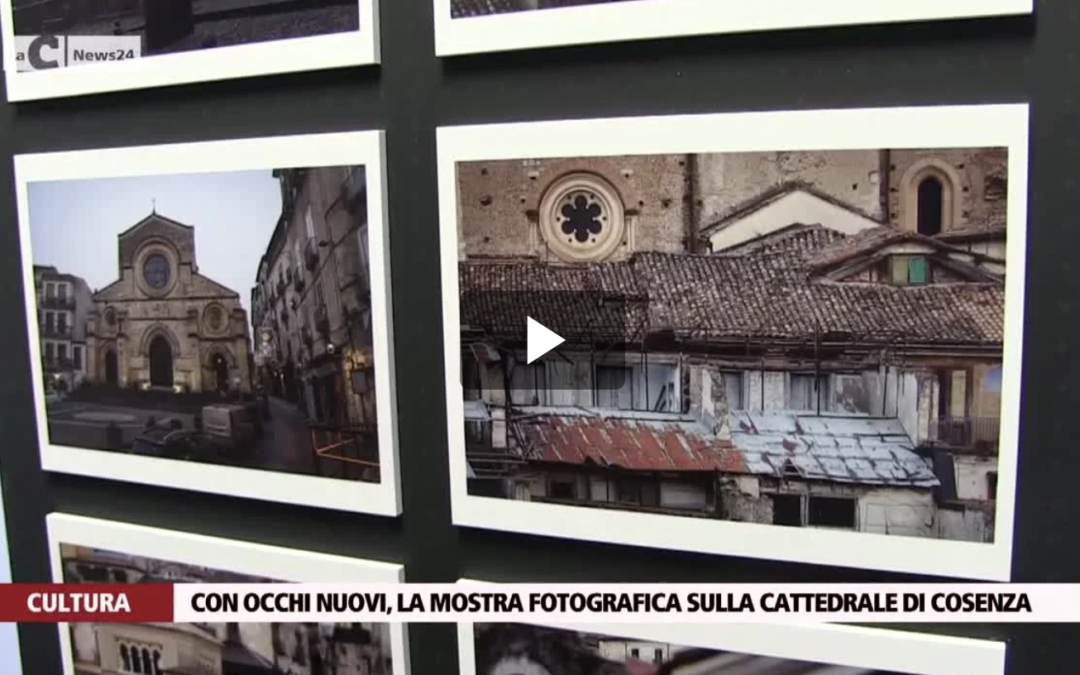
(871, 240)
(991, 230)
(835, 448)
(759, 293)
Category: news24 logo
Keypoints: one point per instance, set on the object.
(43, 52)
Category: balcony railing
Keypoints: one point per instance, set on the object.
(978, 434)
(57, 302)
(54, 331)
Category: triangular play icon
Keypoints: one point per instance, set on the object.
(539, 339)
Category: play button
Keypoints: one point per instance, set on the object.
(539, 339)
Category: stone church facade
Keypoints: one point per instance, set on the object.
(162, 325)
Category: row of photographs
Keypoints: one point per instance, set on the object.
(786, 335)
(131, 44)
(85, 550)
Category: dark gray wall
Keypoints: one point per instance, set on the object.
(409, 95)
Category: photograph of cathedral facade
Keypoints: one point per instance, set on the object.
(211, 648)
(222, 318)
(540, 650)
(805, 339)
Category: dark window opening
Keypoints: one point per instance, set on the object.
(634, 653)
(931, 208)
(831, 512)
(642, 494)
(76, 357)
(658, 656)
(561, 489)
(991, 485)
(787, 510)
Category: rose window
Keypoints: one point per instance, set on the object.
(581, 218)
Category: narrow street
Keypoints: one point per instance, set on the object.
(286, 441)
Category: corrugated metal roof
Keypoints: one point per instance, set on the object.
(836, 448)
(638, 441)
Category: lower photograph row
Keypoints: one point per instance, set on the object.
(86, 550)
(776, 335)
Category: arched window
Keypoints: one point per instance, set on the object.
(157, 663)
(931, 206)
(125, 659)
(136, 662)
(148, 664)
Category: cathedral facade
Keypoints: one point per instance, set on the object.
(162, 325)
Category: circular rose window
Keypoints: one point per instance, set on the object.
(156, 271)
(581, 218)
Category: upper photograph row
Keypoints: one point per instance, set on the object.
(792, 335)
(55, 48)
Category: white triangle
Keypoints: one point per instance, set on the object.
(539, 339)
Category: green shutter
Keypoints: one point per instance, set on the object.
(918, 270)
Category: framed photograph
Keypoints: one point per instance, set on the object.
(87, 550)
(215, 317)
(55, 48)
(472, 26)
(731, 649)
(784, 335)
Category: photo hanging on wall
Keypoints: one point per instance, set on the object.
(784, 335)
(699, 649)
(55, 48)
(215, 317)
(87, 550)
(473, 26)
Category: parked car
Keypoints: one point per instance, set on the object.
(166, 439)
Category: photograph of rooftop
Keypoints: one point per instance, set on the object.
(802, 339)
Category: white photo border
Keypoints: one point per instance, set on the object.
(645, 19)
(828, 644)
(1003, 125)
(365, 148)
(272, 57)
(271, 562)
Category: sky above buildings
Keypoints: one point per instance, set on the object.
(74, 224)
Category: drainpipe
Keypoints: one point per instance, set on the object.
(691, 211)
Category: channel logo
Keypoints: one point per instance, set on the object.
(45, 52)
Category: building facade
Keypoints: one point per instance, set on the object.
(816, 337)
(312, 300)
(163, 325)
(212, 648)
(63, 304)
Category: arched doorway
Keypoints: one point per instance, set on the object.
(220, 367)
(161, 362)
(112, 371)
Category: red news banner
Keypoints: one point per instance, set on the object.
(541, 603)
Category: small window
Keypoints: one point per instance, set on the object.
(658, 655)
(635, 653)
(562, 489)
(49, 352)
(641, 493)
(991, 485)
(50, 290)
(61, 352)
(909, 270)
(787, 510)
(76, 356)
(614, 387)
(831, 512)
(733, 389)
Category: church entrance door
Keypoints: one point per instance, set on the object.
(112, 372)
(161, 362)
(221, 372)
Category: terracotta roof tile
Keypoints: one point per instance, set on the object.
(761, 292)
